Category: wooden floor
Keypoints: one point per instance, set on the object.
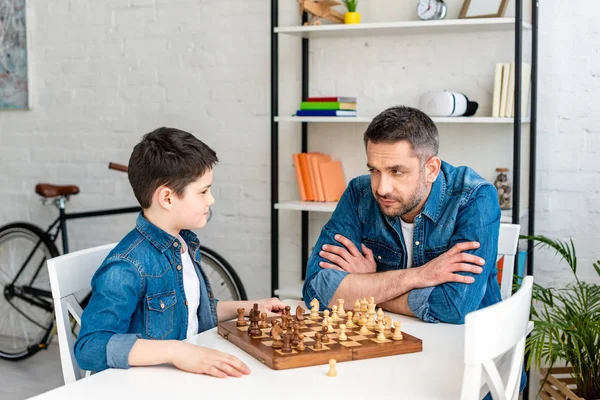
(32, 376)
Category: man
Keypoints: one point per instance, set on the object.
(427, 231)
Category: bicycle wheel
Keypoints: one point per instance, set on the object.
(225, 282)
(26, 308)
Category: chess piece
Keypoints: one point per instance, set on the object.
(276, 334)
(254, 318)
(356, 307)
(371, 319)
(263, 321)
(341, 311)
(330, 324)
(314, 311)
(363, 305)
(324, 337)
(326, 314)
(380, 315)
(301, 346)
(342, 336)
(388, 322)
(363, 320)
(318, 343)
(295, 331)
(332, 372)
(287, 310)
(334, 313)
(372, 301)
(397, 332)
(349, 322)
(241, 321)
(325, 321)
(356, 317)
(300, 316)
(273, 323)
(363, 330)
(381, 335)
(287, 343)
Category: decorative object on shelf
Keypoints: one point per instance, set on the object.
(351, 17)
(566, 328)
(320, 9)
(13, 56)
(483, 9)
(503, 188)
(429, 10)
(447, 104)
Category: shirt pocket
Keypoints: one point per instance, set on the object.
(386, 257)
(160, 314)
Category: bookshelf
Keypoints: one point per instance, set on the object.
(502, 26)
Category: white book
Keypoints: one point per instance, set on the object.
(504, 93)
(497, 90)
(510, 97)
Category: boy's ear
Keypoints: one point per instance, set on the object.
(164, 197)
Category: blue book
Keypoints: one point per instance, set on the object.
(325, 113)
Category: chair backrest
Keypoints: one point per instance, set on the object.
(70, 274)
(508, 241)
(495, 345)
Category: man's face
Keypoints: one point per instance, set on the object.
(398, 179)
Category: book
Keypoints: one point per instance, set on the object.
(299, 177)
(327, 105)
(332, 178)
(325, 113)
(504, 92)
(303, 158)
(338, 99)
(510, 96)
(316, 162)
(497, 90)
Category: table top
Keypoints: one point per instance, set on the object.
(435, 373)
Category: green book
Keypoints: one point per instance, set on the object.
(327, 105)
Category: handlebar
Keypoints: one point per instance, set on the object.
(117, 167)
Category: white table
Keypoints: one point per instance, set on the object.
(435, 373)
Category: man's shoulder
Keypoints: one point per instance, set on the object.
(361, 185)
(462, 179)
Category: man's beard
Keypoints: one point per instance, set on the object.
(405, 206)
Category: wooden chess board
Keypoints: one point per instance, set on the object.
(357, 347)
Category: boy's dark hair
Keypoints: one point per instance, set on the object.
(170, 157)
(405, 123)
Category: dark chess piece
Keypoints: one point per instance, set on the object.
(241, 321)
(318, 343)
(276, 334)
(324, 336)
(295, 332)
(254, 318)
(300, 316)
(263, 321)
(287, 343)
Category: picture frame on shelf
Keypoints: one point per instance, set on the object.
(483, 9)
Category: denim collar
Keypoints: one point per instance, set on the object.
(161, 239)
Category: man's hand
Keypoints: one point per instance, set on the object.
(270, 306)
(348, 259)
(443, 269)
(202, 360)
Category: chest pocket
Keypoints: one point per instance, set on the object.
(386, 257)
(160, 314)
(435, 252)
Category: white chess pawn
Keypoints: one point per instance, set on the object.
(363, 330)
(330, 324)
(380, 315)
(325, 314)
(325, 322)
(341, 311)
(397, 332)
(334, 313)
(356, 307)
(349, 322)
(371, 324)
(332, 372)
(381, 336)
(342, 335)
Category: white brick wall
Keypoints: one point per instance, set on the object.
(103, 73)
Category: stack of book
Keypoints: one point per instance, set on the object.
(319, 177)
(328, 107)
(503, 104)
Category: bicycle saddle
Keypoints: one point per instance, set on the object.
(46, 190)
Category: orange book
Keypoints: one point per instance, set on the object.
(315, 161)
(299, 177)
(311, 174)
(332, 178)
(303, 158)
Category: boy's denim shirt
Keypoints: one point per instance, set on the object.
(461, 207)
(138, 293)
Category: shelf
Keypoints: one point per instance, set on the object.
(291, 291)
(388, 28)
(307, 206)
(437, 120)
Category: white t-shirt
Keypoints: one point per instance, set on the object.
(191, 287)
(407, 233)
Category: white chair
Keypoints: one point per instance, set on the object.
(508, 241)
(70, 274)
(495, 345)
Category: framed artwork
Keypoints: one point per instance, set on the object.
(483, 9)
(13, 55)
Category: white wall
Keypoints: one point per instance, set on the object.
(103, 73)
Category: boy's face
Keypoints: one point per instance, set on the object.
(191, 209)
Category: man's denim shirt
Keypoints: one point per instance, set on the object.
(461, 207)
(138, 293)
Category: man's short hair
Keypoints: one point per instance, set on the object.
(405, 123)
(170, 157)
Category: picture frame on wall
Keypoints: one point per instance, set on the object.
(483, 9)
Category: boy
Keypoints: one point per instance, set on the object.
(150, 293)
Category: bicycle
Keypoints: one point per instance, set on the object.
(27, 316)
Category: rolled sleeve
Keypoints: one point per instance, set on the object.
(418, 302)
(322, 286)
(118, 348)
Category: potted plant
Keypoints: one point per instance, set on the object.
(566, 329)
(351, 17)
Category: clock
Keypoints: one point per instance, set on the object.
(431, 9)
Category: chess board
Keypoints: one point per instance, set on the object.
(357, 347)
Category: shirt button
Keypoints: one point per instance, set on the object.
(379, 257)
(162, 305)
(186, 303)
(417, 243)
(175, 244)
(179, 268)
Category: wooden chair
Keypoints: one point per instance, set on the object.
(70, 274)
(508, 241)
(495, 345)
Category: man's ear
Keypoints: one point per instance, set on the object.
(163, 196)
(432, 168)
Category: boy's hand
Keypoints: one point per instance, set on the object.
(270, 306)
(202, 360)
